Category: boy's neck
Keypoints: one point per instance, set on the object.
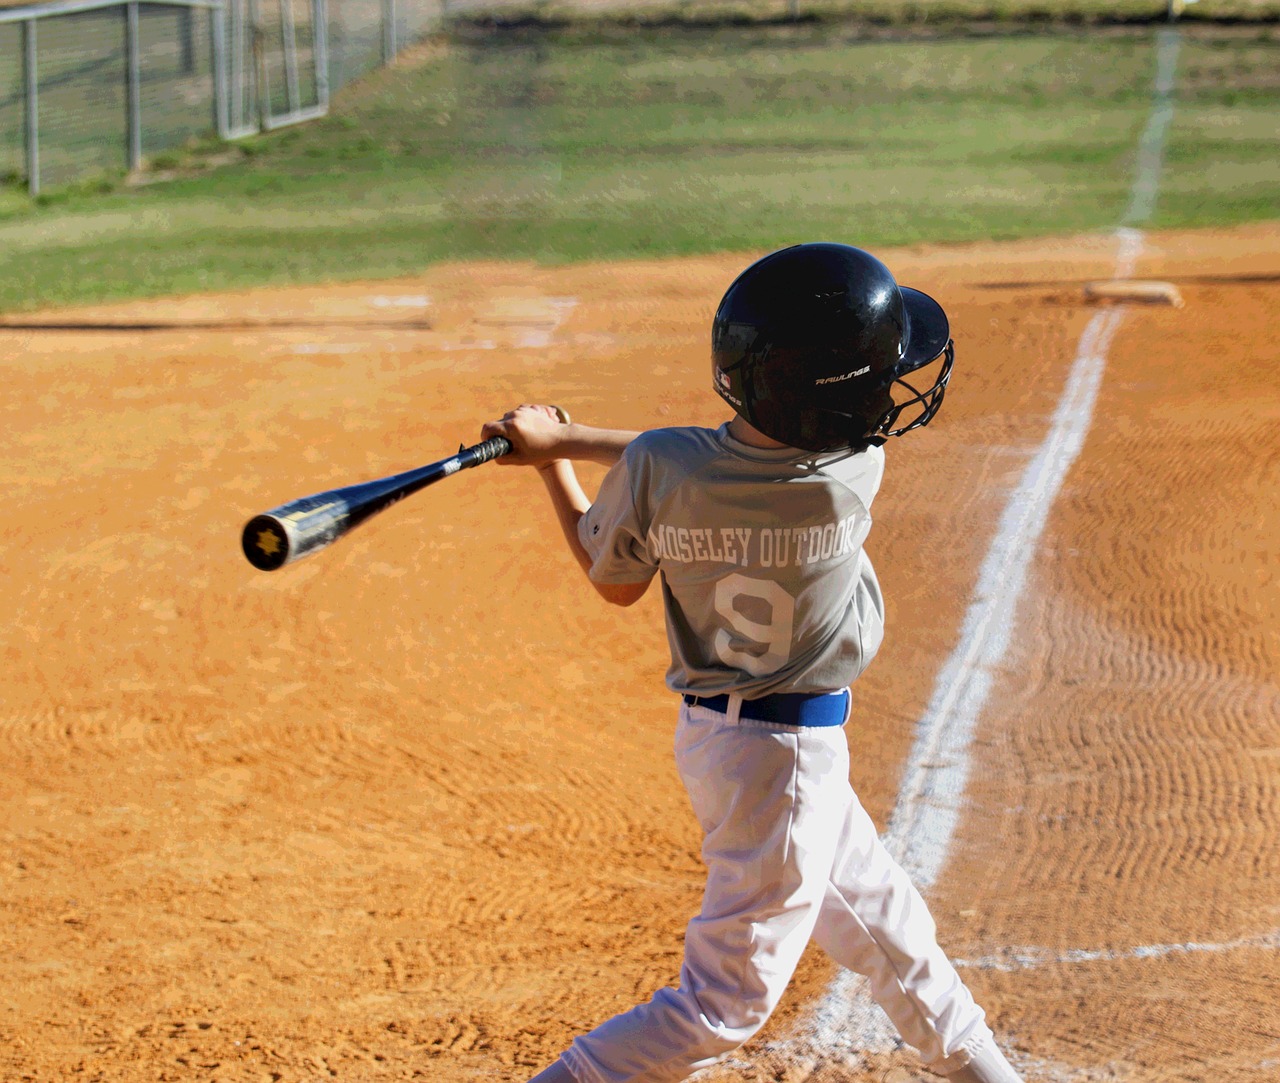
(744, 432)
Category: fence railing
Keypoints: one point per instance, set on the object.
(90, 87)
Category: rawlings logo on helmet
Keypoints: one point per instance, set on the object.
(841, 379)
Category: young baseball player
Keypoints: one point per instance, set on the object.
(756, 531)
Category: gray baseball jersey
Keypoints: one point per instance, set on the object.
(764, 579)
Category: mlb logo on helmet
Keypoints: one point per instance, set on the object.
(725, 386)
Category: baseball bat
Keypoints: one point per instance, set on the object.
(294, 530)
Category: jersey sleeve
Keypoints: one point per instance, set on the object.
(612, 534)
(861, 473)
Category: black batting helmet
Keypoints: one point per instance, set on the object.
(808, 342)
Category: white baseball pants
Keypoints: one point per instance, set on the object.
(791, 855)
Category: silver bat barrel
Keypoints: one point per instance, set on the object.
(291, 531)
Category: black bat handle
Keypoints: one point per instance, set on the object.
(493, 448)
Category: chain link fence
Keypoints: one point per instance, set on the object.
(90, 87)
(10, 102)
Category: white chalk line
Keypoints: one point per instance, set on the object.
(415, 300)
(1146, 185)
(1014, 959)
(931, 798)
(536, 333)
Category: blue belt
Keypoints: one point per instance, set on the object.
(785, 708)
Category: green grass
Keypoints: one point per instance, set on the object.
(569, 146)
(889, 13)
(1223, 158)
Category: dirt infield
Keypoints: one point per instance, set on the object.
(406, 809)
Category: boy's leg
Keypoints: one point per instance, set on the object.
(768, 803)
(875, 922)
(986, 1065)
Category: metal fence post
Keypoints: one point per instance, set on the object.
(242, 70)
(260, 87)
(217, 45)
(187, 40)
(133, 87)
(31, 89)
(388, 31)
(320, 47)
(289, 42)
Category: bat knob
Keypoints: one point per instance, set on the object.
(265, 543)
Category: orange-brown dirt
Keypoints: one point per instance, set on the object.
(406, 809)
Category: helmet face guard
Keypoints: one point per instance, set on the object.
(928, 402)
(809, 343)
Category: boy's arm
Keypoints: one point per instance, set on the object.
(539, 439)
(571, 504)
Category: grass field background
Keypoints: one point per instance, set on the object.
(614, 143)
(889, 13)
